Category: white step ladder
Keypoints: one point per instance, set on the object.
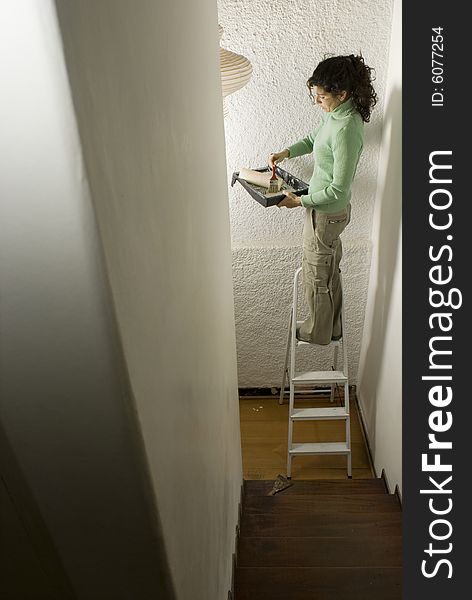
(316, 378)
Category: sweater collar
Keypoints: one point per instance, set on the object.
(343, 109)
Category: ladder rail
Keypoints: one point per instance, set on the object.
(287, 354)
(293, 345)
(297, 449)
(343, 327)
(346, 385)
(348, 429)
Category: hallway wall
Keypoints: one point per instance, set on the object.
(284, 42)
(76, 478)
(119, 387)
(380, 380)
(146, 86)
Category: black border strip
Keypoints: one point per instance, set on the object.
(435, 130)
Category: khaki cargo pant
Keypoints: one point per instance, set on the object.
(322, 252)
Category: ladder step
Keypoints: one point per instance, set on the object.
(311, 414)
(320, 377)
(320, 448)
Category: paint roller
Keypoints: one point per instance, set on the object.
(262, 179)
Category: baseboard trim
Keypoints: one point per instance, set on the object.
(234, 562)
(365, 431)
(365, 434)
(258, 391)
(398, 494)
(271, 392)
(383, 474)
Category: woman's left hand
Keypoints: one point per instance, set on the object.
(290, 201)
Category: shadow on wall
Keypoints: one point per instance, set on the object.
(388, 236)
(30, 566)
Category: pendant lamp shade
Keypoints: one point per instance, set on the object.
(236, 71)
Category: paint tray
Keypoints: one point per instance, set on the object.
(290, 184)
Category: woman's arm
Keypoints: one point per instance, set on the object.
(290, 201)
(277, 157)
(305, 145)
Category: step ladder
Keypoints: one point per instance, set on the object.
(331, 378)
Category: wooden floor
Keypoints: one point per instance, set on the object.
(337, 539)
(264, 430)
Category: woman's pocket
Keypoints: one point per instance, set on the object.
(317, 268)
(330, 226)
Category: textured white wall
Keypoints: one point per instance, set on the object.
(146, 85)
(284, 41)
(380, 373)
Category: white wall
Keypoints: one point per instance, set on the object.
(284, 42)
(146, 86)
(145, 79)
(66, 409)
(380, 381)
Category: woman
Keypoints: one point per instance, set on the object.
(342, 87)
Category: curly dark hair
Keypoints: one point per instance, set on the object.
(347, 73)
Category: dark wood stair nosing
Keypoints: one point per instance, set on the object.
(346, 551)
(298, 583)
(259, 487)
(348, 524)
(326, 505)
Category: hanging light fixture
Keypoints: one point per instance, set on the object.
(236, 71)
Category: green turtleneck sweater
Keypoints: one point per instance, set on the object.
(337, 145)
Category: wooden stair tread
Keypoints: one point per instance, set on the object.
(365, 551)
(254, 487)
(321, 504)
(318, 583)
(345, 524)
(319, 540)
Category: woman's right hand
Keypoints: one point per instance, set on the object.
(277, 157)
